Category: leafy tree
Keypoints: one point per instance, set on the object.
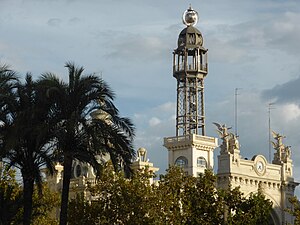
(253, 210)
(205, 204)
(178, 199)
(117, 200)
(295, 209)
(172, 201)
(230, 200)
(10, 195)
(82, 211)
(11, 201)
(43, 206)
(80, 137)
(25, 132)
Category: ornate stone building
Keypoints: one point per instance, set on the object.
(83, 174)
(193, 151)
(274, 179)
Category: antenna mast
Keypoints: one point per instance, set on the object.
(236, 110)
(269, 113)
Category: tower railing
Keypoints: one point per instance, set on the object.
(188, 137)
(190, 67)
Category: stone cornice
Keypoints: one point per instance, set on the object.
(198, 141)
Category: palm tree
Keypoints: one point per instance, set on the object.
(25, 133)
(8, 81)
(78, 135)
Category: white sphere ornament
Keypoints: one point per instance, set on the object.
(190, 17)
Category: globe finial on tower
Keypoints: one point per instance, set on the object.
(190, 17)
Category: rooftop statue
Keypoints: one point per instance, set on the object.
(283, 153)
(233, 143)
(230, 141)
(142, 155)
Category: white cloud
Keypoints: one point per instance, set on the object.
(136, 46)
(167, 107)
(243, 40)
(224, 51)
(290, 112)
(154, 121)
(137, 115)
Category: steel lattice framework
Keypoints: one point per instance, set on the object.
(190, 69)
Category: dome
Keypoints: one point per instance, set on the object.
(190, 37)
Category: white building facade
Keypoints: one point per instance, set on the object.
(274, 179)
(193, 151)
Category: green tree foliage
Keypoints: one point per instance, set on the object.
(205, 204)
(11, 201)
(295, 209)
(171, 196)
(177, 199)
(253, 210)
(82, 211)
(43, 205)
(117, 200)
(10, 196)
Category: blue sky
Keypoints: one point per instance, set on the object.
(253, 45)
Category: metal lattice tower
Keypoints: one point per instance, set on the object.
(190, 69)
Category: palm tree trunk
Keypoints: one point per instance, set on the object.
(27, 195)
(65, 190)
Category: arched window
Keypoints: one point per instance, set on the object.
(201, 162)
(181, 162)
(78, 171)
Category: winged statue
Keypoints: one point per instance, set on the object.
(222, 130)
(225, 135)
(282, 152)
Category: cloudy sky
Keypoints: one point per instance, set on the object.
(253, 45)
